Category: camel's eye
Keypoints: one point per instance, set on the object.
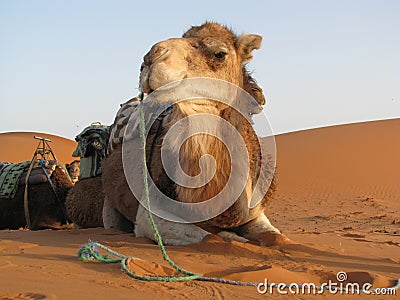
(215, 48)
(195, 44)
(220, 55)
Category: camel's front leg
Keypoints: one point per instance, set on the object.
(262, 231)
(172, 233)
(112, 218)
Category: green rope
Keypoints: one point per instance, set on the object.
(189, 275)
(89, 251)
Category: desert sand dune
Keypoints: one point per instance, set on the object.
(20, 146)
(341, 178)
(338, 199)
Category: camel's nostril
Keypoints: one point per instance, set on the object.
(159, 53)
(158, 49)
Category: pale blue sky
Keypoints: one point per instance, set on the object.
(65, 64)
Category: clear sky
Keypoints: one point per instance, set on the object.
(65, 64)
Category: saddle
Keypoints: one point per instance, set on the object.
(92, 149)
(14, 175)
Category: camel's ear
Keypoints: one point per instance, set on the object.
(246, 44)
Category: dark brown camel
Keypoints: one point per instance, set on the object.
(44, 208)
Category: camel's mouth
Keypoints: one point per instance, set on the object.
(154, 80)
(166, 92)
(256, 109)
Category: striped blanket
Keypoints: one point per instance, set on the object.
(127, 110)
(120, 122)
(10, 175)
(38, 176)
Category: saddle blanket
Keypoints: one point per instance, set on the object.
(14, 175)
(10, 175)
(38, 176)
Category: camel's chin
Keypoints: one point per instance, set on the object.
(148, 91)
(256, 110)
(167, 84)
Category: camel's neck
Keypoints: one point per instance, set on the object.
(201, 123)
(207, 138)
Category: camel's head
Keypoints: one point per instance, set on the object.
(209, 50)
(73, 170)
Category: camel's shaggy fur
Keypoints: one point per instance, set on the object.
(213, 51)
(44, 209)
(84, 203)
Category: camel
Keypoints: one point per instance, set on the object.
(207, 51)
(84, 203)
(45, 210)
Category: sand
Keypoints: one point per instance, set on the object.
(338, 199)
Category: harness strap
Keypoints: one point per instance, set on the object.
(154, 143)
(256, 170)
(160, 120)
(26, 202)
